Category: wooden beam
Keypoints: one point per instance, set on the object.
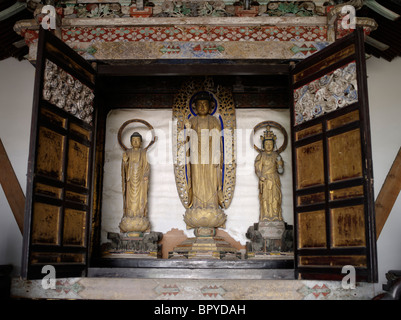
(382, 10)
(12, 188)
(376, 43)
(188, 69)
(12, 10)
(388, 194)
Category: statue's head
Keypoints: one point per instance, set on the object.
(203, 103)
(268, 145)
(136, 140)
(268, 140)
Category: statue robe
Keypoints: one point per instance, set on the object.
(135, 168)
(270, 195)
(205, 163)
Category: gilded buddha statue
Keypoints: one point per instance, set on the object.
(205, 189)
(135, 239)
(269, 235)
(135, 172)
(268, 166)
(201, 186)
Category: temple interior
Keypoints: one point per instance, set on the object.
(256, 98)
(122, 91)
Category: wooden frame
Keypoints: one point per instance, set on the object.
(57, 197)
(315, 262)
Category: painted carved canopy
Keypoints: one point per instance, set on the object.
(121, 30)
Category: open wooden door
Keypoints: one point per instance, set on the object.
(331, 149)
(58, 196)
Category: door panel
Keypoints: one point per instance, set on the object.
(333, 180)
(59, 186)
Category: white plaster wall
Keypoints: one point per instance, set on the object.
(165, 208)
(384, 82)
(16, 89)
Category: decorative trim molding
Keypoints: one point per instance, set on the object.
(181, 289)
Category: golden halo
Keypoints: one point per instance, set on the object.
(274, 125)
(120, 131)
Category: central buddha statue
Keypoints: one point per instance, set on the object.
(205, 170)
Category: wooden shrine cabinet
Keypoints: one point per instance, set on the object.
(331, 159)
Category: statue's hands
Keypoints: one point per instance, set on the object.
(280, 161)
(220, 197)
(280, 165)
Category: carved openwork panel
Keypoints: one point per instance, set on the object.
(330, 92)
(64, 91)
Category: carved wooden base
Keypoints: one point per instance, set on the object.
(205, 248)
(269, 240)
(133, 245)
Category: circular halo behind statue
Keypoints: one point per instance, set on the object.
(124, 125)
(274, 125)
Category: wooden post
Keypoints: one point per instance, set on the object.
(388, 194)
(12, 188)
